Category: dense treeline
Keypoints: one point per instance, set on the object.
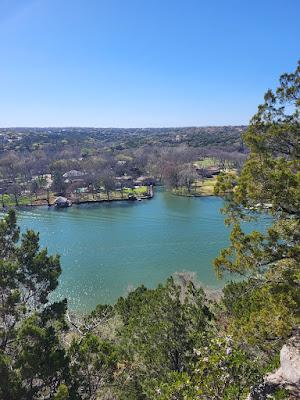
(35, 163)
(172, 342)
(30, 139)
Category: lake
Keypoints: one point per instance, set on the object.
(109, 249)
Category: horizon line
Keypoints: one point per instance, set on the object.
(112, 127)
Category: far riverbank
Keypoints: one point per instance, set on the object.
(135, 194)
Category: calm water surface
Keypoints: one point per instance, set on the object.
(108, 249)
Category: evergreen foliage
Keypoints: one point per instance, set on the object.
(266, 310)
(169, 343)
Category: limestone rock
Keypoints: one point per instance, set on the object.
(286, 377)
(289, 371)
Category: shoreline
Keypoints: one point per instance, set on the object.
(44, 203)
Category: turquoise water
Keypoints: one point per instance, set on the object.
(108, 249)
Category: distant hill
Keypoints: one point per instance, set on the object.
(19, 138)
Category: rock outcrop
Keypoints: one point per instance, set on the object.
(286, 377)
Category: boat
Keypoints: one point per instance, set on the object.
(132, 197)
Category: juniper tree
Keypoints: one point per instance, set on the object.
(270, 179)
(32, 360)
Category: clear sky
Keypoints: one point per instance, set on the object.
(142, 63)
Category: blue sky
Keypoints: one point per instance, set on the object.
(142, 63)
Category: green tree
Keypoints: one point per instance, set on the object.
(32, 360)
(161, 328)
(270, 179)
(222, 371)
(92, 364)
(62, 393)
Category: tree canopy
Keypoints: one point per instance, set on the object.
(268, 306)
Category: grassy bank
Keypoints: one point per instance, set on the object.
(113, 195)
(200, 188)
(8, 200)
